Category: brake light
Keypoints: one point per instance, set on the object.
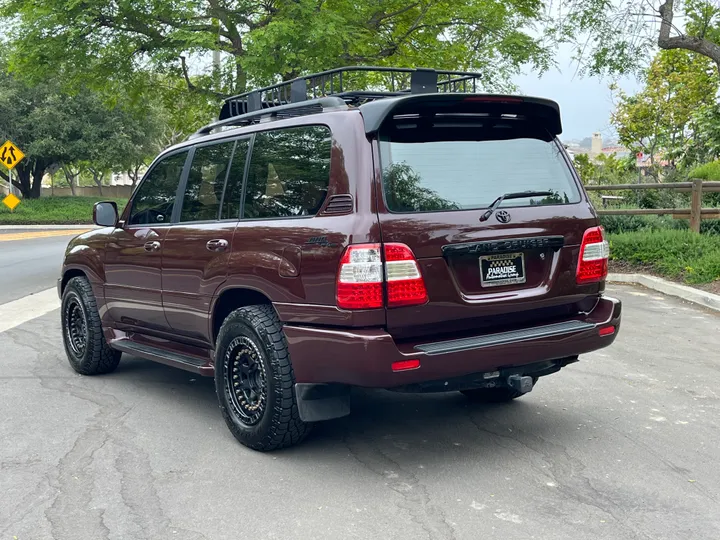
(494, 99)
(360, 278)
(405, 284)
(362, 274)
(593, 260)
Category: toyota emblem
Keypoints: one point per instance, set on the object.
(502, 216)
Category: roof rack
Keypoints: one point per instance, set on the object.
(336, 88)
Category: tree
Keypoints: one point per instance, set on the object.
(406, 193)
(22, 109)
(661, 116)
(106, 44)
(74, 131)
(616, 37)
(586, 169)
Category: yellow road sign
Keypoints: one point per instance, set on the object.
(11, 201)
(10, 155)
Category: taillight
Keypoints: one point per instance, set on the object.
(405, 284)
(361, 276)
(593, 260)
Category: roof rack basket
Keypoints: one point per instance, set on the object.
(336, 88)
(354, 85)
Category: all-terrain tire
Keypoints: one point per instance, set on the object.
(85, 345)
(256, 333)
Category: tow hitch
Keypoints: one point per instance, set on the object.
(522, 384)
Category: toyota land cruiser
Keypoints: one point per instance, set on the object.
(413, 235)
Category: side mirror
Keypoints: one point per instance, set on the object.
(105, 214)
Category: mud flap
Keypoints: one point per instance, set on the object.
(317, 402)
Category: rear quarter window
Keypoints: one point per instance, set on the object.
(289, 173)
(437, 175)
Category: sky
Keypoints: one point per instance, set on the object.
(585, 102)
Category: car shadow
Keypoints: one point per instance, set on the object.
(393, 427)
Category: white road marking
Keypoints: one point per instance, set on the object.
(26, 309)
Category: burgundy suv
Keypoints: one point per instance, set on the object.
(418, 238)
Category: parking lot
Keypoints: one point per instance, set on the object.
(624, 444)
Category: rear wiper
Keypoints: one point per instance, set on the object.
(514, 195)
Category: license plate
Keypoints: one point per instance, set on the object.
(503, 269)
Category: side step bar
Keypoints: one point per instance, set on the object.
(503, 338)
(163, 356)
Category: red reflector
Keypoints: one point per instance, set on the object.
(607, 331)
(404, 365)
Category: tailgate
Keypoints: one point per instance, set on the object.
(440, 172)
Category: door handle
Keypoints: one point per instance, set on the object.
(217, 245)
(152, 246)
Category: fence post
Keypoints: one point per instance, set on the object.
(696, 205)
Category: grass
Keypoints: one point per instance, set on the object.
(53, 211)
(677, 254)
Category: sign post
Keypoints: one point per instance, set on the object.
(10, 156)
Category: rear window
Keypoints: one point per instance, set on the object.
(436, 175)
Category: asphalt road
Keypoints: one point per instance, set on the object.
(30, 265)
(623, 445)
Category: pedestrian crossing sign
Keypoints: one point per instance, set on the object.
(10, 155)
(11, 201)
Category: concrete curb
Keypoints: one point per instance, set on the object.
(706, 299)
(46, 227)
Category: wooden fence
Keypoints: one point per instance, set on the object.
(695, 213)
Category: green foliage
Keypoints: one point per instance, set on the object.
(695, 258)
(586, 169)
(74, 130)
(405, 193)
(53, 211)
(622, 224)
(708, 171)
(109, 45)
(661, 115)
(612, 38)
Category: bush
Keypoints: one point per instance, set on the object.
(53, 211)
(694, 258)
(621, 224)
(710, 172)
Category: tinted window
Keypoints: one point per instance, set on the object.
(233, 190)
(289, 173)
(206, 181)
(155, 198)
(436, 175)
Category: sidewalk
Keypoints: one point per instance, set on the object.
(20, 228)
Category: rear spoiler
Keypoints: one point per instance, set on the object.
(542, 111)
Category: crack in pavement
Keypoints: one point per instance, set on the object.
(565, 470)
(70, 485)
(415, 500)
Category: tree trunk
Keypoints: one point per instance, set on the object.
(37, 174)
(23, 180)
(98, 179)
(70, 178)
(696, 44)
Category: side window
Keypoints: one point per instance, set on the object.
(233, 191)
(206, 181)
(289, 173)
(155, 199)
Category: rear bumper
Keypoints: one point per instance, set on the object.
(365, 357)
